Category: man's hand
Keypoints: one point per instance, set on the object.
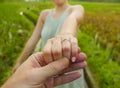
(34, 73)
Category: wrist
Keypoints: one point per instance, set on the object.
(14, 82)
(9, 83)
(66, 34)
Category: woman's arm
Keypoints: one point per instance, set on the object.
(65, 44)
(31, 43)
(72, 23)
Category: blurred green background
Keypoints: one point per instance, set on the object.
(99, 35)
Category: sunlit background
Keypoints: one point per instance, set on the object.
(99, 36)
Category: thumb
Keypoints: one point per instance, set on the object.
(53, 68)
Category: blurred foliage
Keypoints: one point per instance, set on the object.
(98, 0)
(104, 28)
(69, 0)
(14, 31)
(105, 72)
(99, 37)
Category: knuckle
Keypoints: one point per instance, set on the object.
(74, 44)
(34, 56)
(45, 52)
(56, 52)
(48, 60)
(66, 48)
(74, 52)
(74, 41)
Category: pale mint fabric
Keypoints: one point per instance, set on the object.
(52, 28)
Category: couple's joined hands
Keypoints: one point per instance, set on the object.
(48, 68)
(34, 73)
(64, 45)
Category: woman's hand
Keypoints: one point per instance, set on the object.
(34, 73)
(65, 45)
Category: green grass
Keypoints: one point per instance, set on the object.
(100, 18)
(105, 72)
(11, 40)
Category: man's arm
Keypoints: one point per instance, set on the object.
(34, 73)
(73, 21)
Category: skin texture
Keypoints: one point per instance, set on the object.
(66, 39)
(34, 73)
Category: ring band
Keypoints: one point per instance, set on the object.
(65, 40)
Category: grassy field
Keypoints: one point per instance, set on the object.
(100, 36)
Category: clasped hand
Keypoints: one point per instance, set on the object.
(48, 68)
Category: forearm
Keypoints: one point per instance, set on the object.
(73, 21)
(27, 51)
(10, 83)
(70, 26)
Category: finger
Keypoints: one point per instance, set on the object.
(37, 59)
(81, 57)
(47, 52)
(74, 46)
(56, 48)
(52, 69)
(66, 48)
(79, 49)
(66, 78)
(75, 66)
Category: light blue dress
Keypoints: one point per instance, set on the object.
(52, 27)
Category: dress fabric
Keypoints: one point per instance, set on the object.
(51, 28)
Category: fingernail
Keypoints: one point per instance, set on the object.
(73, 59)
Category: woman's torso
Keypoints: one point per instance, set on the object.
(52, 26)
